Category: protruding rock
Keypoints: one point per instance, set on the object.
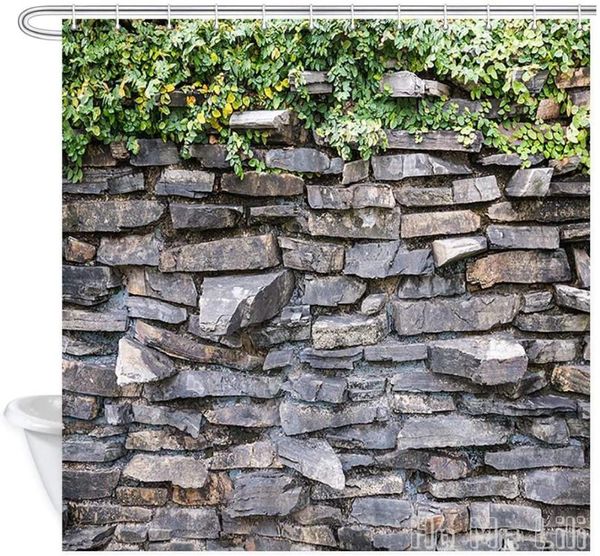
(386, 258)
(292, 325)
(259, 184)
(475, 190)
(109, 216)
(174, 287)
(242, 253)
(572, 378)
(254, 455)
(312, 256)
(184, 471)
(78, 251)
(421, 403)
(407, 84)
(372, 304)
(453, 249)
(94, 450)
(519, 267)
(358, 196)
(130, 250)
(558, 487)
(366, 223)
(396, 167)
(330, 332)
(94, 321)
(484, 360)
(357, 170)
(439, 223)
(466, 314)
(155, 309)
(204, 217)
(245, 413)
(533, 182)
(395, 352)
(88, 285)
(438, 140)
(572, 298)
(441, 431)
(229, 303)
(312, 458)
(545, 322)
(542, 351)
(193, 184)
(137, 363)
(523, 237)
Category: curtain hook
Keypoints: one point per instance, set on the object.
(534, 18)
(579, 24)
(117, 23)
(445, 17)
(399, 15)
(169, 26)
(489, 20)
(311, 22)
(73, 19)
(216, 24)
(352, 24)
(264, 17)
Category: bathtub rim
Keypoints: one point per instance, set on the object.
(36, 413)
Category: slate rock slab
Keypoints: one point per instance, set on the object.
(365, 223)
(130, 250)
(484, 360)
(449, 250)
(386, 258)
(330, 332)
(558, 487)
(259, 184)
(204, 217)
(534, 182)
(183, 471)
(230, 303)
(572, 298)
(240, 253)
(88, 285)
(155, 152)
(529, 457)
(109, 216)
(187, 523)
(485, 515)
(137, 363)
(332, 290)
(396, 167)
(312, 256)
(482, 486)
(83, 484)
(439, 223)
(523, 237)
(359, 196)
(192, 184)
(174, 287)
(381, 512)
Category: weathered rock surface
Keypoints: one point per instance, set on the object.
(523, 237)
(431, 285)
(386, 258)
(229, 303)
(300, 160)
(330, 332)
(482, 486)
(421, 403)
(312, 458)
(109, 216)
(439, 140)
(558, 487)
(85, 449)
(260, 454)
(88, 285)
(193, 184)
(572, 298)
(572, 378)
(258, 184)
(519, 267)
(203, 383)
(453, 249)
(365, 437)
(204, 217)
(533, 182)
(78, 251)
(82, 484)
(354, 197)
(439, 223)
(547, 322)
(366, 223)
(130, 250)
(292, 325)
(187, 523)
(174, 287)
(317, 388)
(357, 170)
(183, 471)
(424, 196)
(311, 256)
(484, 360)
(395, 352)
(441, 431)
(331, 291)
(528, 457)
(137, 363)
(408, 84)
(396, 167)
(331, 358)
(466, 314)
(154, 309)
(381, 512)
(541, 351)
(93, 378)
(475, 190)
(505, 516)
(546, 210)
(244, 413)
(155, 152)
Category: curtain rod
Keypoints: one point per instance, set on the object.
(298, 11)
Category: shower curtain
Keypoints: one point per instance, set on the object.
(326, 285)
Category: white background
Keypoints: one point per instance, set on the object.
(30, 255)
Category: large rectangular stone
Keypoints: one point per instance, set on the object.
(540, 210)
(174, 287)
(558, 487)
(348, 330)
(83, 484)
(130, 250)
(532, 182)
(193, 184)
(482, 486)
(519, 267)
(440, 140)
(358, 196)
(109, 216)
(424, 196)
(505, 516)
(186, 523)
(204, 217)
(114, 320)
(439, 223)
(431, 285)
(88, 285)
(386, 258)
(239, 253)
(560, 322)
(396, 167)
(155, 152)
(441, 431)
(259, 184)
(475, 190)
(529, 457)
(113, 181)
(312, 256)
(467, 314)
(381, 512)
(366, 223)
(331, 291)
(523, 237)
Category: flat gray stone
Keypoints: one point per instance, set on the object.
(278, 359)
(193, 184)
(546, 404)
(385, 483)
(558, 487)
(240, 253)
(260, 119)
(396, 167)
(408, 84)
(230, 303)
(137, 363)
(439, 223)
(386, 258)
(381, 512)
(373, 304)
(312, 256)
(187, 421)
(357, 170)
(204, 217)
(293, 324)
(109, 216)
(572, 298)
(358, 196)
(88, 285)
(316, 388)
(530, 457)
(183, 471)
(544, 322)
(130, 250)
(522, 237)
(366, 223)
(245, 413)
(485, 515)
(186, 523)
(475, 190)
(570, 188)
(331, 358)
(519, 267)
(466, 314)
(114, 320)
(92, 450)
(533, 182)
(174, 287)
(395, 352)
(540, 210)
(299, 160)
(155, 152)
(551, 430)
(364, 437)
(424, 196)
(441, 431)
(87, 538)
(579, 231)
(254, 455)
(299, 418)
(431, 285)
(94, 379)
(542, 351)
(447, 251)
(331, 291)
(111, 181)
(313, 458)
(260, 184)
(482, 486)
(211, 156)
(205, 383)
(155, 309)
(483, 360)
(83, 484)
(330, 332)
(408, 403)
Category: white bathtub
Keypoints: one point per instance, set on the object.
(41, 419)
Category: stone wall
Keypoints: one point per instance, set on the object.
(363, 355)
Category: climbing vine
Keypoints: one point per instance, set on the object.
(117, 84)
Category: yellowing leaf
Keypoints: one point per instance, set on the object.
(190, 100)
(227, 110)
(214, 58)
(268, 92)
(216, 113)
(200, 118)
(230, 98)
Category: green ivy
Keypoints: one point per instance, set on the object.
(116, 83)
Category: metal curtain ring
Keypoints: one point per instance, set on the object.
(445, 17)
(534, 16)
(489, 20)
(216, 24)
(169, 26)
(352, 24)
(117, 23)
(264, 17)
(311, 22)
(399, 15)
(73, 18)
